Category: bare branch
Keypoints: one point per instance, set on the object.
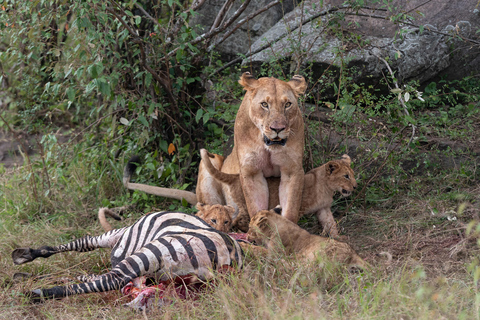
(139, 7)
(210, 34)
(194, 7)
(242, 22)
(221, 14)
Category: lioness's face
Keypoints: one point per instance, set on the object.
(273, 106)
(273, 111)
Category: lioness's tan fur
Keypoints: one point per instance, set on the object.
(268, 142)
(320, 184)
(271, 229)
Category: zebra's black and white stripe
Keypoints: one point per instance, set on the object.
(159, 245)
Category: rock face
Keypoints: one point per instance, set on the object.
(433, 51)
(246, 35)
(411, 52)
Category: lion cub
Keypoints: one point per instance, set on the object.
(218, 216)
(269, 228)
(320, 184)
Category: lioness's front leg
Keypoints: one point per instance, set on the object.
(255, 190)
(290, 194)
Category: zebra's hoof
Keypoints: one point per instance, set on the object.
(35, 296)
(22, 255)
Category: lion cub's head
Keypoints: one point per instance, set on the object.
(340, 177)
(265, 225)
(273, 107)
(218, 216)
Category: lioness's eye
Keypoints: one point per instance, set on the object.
(288, 105)
(226, 222)
(347, 177)
(264, 105)
(214, 221)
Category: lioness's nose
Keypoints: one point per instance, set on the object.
(277, 127)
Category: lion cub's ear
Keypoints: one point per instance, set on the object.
(298, 84)
(346, 159)
(331, 167)
(248, 81)
(230, 210)
(200, 207)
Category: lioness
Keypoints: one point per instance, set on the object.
(320, 184)
(218, 216)
(269, 142)
(270, 229)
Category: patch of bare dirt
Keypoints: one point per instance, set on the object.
(13, 150)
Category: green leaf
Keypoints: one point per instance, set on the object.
(144, 121)
(164, 146)
(206, 117)
(104, 87)
(184, 203)
(92, 70)
(70, 93)
(396, 90)
(199, 115)
(148, 79)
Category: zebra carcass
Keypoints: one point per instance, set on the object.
(160, 245)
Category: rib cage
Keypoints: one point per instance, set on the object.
(159, 245)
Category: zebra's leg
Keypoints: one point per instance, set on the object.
(88, 243)
(148, 260)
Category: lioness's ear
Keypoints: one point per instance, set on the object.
(346, 159)
(248, 81)
(331, 167)
(298, 84)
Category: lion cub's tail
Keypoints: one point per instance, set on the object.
(129, 170)
(227, 178)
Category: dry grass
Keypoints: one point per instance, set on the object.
(422, 226)
(427, 277)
